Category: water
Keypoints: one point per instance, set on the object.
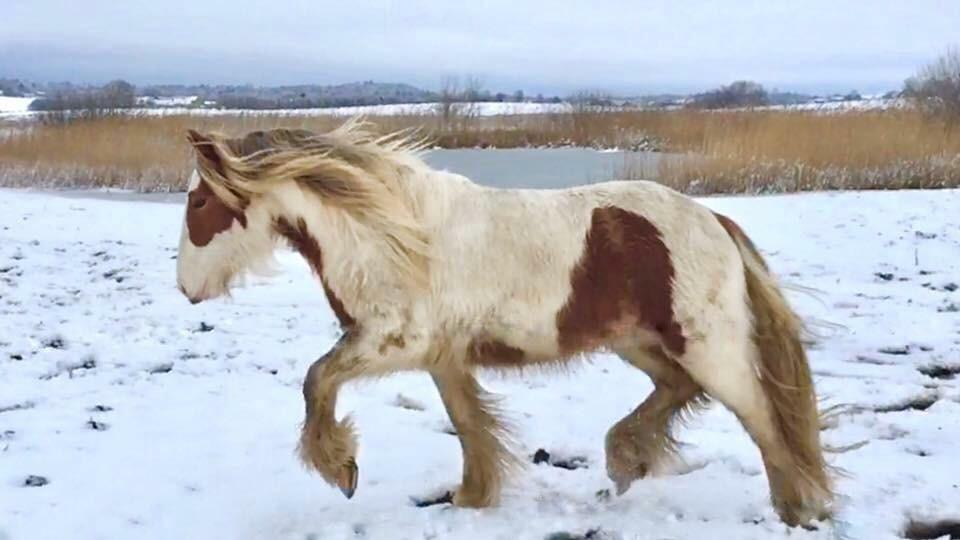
(540, 167)
(514, 168)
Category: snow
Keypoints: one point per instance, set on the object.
(171, 101)
(15, 105)
(180, 105)
(177, 106)
(868, 103)
(197, 408)
(396, 109)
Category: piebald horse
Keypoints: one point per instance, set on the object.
(426, 270)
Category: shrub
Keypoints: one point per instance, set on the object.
(936, 87)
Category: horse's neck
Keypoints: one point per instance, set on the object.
(435, 192)
(349, 255)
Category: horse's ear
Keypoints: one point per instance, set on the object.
(205, 147)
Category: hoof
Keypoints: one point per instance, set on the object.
(623, 480)
(805, 517)
(347, 478)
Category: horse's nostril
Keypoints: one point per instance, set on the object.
(195, 300)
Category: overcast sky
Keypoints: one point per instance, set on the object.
(629, 46)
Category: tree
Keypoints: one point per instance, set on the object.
(936, 87)
(735, 94)
(590, 100)
(89, 102)
(447, 98)
(457, 105)
(587, 109)
(118, 94)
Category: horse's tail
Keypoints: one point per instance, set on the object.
(784, 370)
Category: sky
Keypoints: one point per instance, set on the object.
(556, 47)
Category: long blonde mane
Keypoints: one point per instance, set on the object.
(350, 168)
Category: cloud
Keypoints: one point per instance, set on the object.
(626, 46)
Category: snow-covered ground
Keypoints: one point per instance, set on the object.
(173, 101)
(175, 106)
(475, 109)
(14, 105)
(868, 103)
(19, 108)
(132, 414)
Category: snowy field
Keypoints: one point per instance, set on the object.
(868, 103)
(14, 106)
(18, 107)
(125, 412)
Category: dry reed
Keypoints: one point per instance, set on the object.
(740, 151)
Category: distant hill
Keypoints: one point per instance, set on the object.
(120, 94)
(295, 96)
(16, 87)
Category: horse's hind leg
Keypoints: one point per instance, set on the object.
(485, 458)
(725, 369)
(642, 440)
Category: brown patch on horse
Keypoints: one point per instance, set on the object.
(263, 142)
(392, 340)
(624, 279)
(254, 142)
(208, 216)
(206, 150)
(493, 353)
(301, 240)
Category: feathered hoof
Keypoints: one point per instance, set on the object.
(804, 514)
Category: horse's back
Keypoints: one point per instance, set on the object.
(560, 271)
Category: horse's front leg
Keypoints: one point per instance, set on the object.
(486, 460)
(327, 445)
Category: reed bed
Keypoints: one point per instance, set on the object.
(719, 152)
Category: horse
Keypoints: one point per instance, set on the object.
(427, 270)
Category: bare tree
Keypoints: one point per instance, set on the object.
(118, 94)
(457, 105)
(66, 105)
(734, 95)
(590, 100)
(473, 94)
(587, 108)
(447, 98)
(936, 87)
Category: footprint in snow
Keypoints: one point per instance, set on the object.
(570, 463)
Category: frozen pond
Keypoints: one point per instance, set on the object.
(505, 168)
(540, 167)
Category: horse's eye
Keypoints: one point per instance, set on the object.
(199, 202)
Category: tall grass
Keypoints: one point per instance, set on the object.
(776, 151)
(741, 151)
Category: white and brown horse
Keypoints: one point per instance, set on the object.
(426, 270)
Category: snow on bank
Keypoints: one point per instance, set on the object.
(858, 105)
(174, 106)
(397, 109)
(172, 101)
(15, 105)
(18, 107)
(150, 418)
